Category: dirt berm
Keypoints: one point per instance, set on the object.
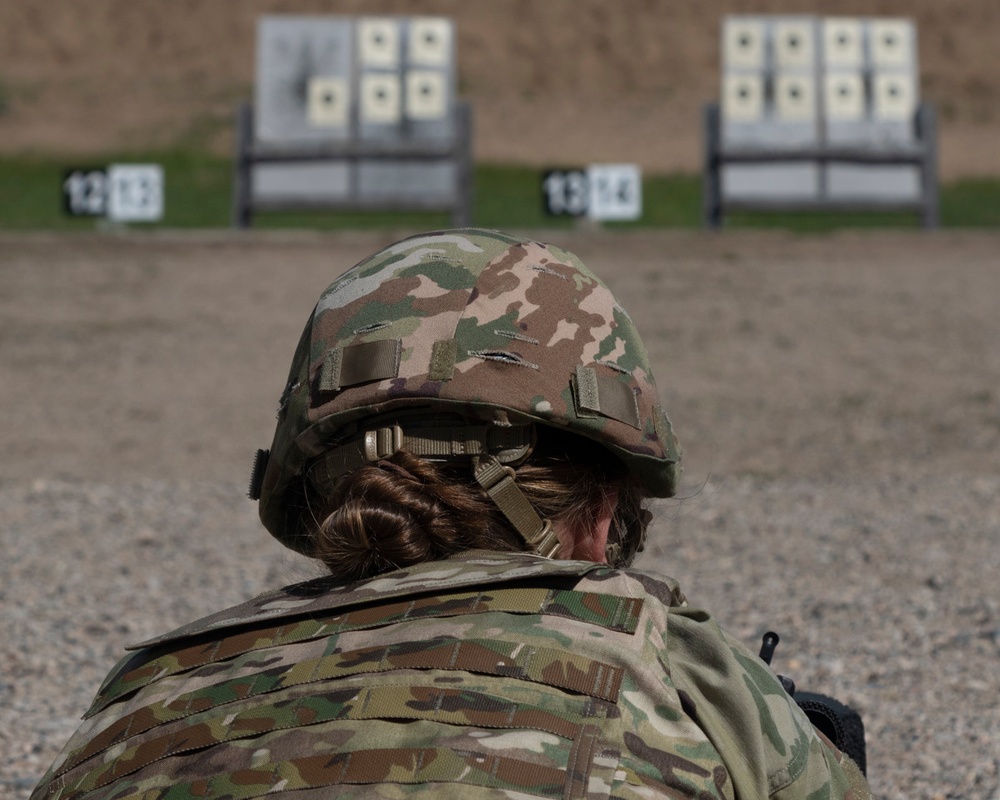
(551, 81)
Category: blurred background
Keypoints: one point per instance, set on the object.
(562, 82)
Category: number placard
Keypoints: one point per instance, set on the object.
(84, 192)
(615, 191)
(601, 192)
(565, 192)
(135, 192)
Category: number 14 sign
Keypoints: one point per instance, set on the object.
(601, 192)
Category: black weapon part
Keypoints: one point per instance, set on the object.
(767, 648)
(840, 723)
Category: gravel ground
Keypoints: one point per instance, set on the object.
(879, 572)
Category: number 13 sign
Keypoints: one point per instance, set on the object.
(601, 192)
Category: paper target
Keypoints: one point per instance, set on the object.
(426, 94)
(842, 42)
(378, 42)
(795, 97)
(328, 102)
(794, 44)
(380, 100)
(844, 96)
(894, 97)
(891, 43)
(743, 97)
(743, 44)
(429, 42)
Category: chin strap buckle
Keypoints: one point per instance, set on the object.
(381, 443)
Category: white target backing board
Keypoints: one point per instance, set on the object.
(306, 181)
(888, 75)
(770, 101)
(406, 180)
(339, 78)
(419, 54)
(304, 89)
(332, 182)
(864, 182)
(799, 82)
(777, 182)
(769, 94)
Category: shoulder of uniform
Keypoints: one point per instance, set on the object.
(660, 587)
(474, 582)
(323, 594)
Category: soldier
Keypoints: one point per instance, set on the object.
(466, 438)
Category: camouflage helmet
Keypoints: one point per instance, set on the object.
(500, 332)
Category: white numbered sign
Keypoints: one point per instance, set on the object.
(135, 192)
(615, 191)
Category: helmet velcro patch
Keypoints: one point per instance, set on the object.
(359, 363)
(443, 355)
(605, 395)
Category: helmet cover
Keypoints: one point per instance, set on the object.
(474, 323)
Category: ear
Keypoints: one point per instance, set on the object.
(589, 542)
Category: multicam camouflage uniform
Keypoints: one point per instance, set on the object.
(486, 674)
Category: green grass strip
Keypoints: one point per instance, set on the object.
(198, 191)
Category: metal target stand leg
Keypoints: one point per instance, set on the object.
(241, 215)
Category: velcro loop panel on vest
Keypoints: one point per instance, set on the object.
(360, 363)
(318, 705)
(444, 352)
(498, 482)
(596, 393)
(423, 765)
(611, 612)
(559, 668)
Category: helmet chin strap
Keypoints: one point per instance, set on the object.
(498, 482)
